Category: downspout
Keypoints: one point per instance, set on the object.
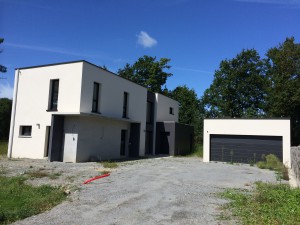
(13, 115)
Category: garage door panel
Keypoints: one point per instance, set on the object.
(244, 148)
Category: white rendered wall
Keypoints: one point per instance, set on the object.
(265, 127)
(98, 139)
(163, 105)
(32, 103)
(111, 97)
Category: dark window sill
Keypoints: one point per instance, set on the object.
(24, 136)
(51, 110)
(125, 118)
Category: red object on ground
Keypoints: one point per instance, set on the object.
(95, 178)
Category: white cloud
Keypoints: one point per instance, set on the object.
(145, 40)
(6, 91)
(281, 2)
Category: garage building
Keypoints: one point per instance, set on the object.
(246, 140)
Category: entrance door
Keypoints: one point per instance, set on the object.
(70, 147)
(134, 139)
(164, 143)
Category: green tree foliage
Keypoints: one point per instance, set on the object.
(148, 72)
(5, 113)
(239, 87)
(284, 91)
(2, 68)
(191, 111)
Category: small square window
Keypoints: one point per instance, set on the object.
(25, 131)
(171, 111)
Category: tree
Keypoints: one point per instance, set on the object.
(283, 98)
(3, 69)
(147, 72)
(239, 87)
(191, 111)
(5, 114)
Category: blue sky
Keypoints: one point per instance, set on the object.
(196, 35)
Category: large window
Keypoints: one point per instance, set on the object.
(96, 92)
(54, 86)
(25, 131)
(125, 105)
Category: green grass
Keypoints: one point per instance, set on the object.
(268, 204)
(3, 147)
(109, 164)
(198, 151)
(19, 200)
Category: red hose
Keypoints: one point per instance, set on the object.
(95, 178)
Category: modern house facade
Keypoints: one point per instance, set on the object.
(246, 140)
(77, 111)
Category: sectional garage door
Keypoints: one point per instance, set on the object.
(243, 148)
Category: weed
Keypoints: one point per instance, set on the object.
(3, 170)
(3, 149)
(197, 152)
(273, 163)
(109, 164)
(40, 174)
(105, 172)
(19, 200)
(268, 204)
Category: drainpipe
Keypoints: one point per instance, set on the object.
(13, 114)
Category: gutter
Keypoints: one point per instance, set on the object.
(13, 115)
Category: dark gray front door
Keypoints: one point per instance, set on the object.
(134, 139)
(56, 138)
(244, 148)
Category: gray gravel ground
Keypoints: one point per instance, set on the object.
(149, 191)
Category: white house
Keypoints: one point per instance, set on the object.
(77, 111)
(246, 140)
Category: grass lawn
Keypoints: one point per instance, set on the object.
(268, 204)
(3, 147)
(19, 200)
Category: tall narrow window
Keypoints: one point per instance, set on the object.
(54, 85)
(95, 107)
(171, 111)
(125, 105)
(149, 116)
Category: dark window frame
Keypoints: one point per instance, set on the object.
(96, 97)
(54, 84)
(25, 131)
(125, 105)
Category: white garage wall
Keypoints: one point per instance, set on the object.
(264, 127)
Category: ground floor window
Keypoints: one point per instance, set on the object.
(25, 131)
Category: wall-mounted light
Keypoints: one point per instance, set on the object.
(38, 125)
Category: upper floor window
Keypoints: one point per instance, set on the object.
(125, 105)
(25, 131)
(96, 92)
(149, 118)
(54, 86)
(171, 111)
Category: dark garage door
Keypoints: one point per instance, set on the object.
(244, 148)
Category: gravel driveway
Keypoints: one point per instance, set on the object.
(149, 191)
